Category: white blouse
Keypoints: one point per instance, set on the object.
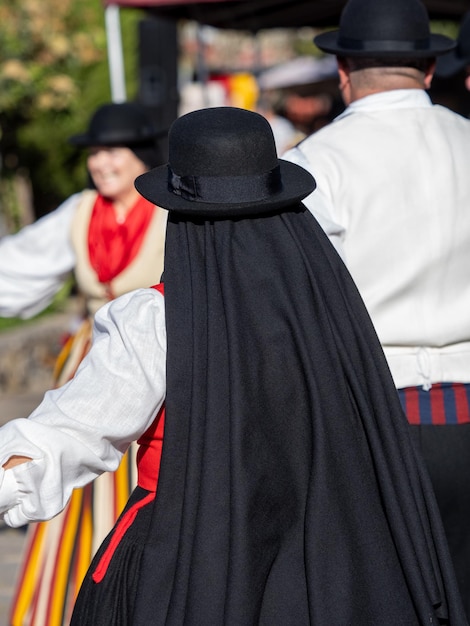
(35, 262)
(83, 428)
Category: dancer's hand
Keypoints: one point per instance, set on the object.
(15, 460)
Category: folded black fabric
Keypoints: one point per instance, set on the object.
(289, 491)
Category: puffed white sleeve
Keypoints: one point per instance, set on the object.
(317, 202)
(35, 262)
(83, 428)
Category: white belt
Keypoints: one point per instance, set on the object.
(424, 365)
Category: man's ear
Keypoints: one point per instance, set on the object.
(467, 82)
(429, 74)
(343, 70)
(344, 80)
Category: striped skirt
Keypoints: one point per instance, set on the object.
(57, 553)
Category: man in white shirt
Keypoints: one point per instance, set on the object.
(393, 193)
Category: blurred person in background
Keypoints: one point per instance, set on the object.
(457, 61)
(113, 241)
(394, 195)
(451, 83)
(285, 134)
(303, 92)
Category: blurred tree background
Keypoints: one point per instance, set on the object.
(53, 74)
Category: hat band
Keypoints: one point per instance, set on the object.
(383, 45)
(121, 136)
(226, 189)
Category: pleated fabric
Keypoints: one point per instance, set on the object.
(289, 490)
(111, 601)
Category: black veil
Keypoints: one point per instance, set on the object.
(289, 490)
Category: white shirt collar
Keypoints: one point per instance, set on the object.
(396, 99)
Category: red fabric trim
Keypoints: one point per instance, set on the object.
(159, 287)
(149, 453)
(438, 412)
(461, 403)
(111, 245)
(412, 405)
(150, 445)
(120, 530)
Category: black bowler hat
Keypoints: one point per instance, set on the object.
(223, 162)
(455, 60)
(384, 29)
(118, 124)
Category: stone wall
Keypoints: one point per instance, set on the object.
(28, 353)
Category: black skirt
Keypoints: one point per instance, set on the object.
(111, 601)
(445, 449)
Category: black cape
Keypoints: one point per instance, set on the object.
(289, 491)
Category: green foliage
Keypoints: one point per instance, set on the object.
(57, 305)
(53, 74)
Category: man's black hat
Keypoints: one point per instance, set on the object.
(384, 28)
(223, 162)
(455, 60)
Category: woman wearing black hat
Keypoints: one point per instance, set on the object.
(113, 240)
(289, 493)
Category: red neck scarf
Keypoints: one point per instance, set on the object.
(112, 245)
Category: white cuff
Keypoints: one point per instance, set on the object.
(9, 498)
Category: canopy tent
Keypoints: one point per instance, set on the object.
(254, 15)
(249, 15)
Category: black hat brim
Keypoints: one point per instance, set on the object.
(450, 64)
(297, 184)
(331, 42)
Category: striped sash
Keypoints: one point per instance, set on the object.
(444, 403)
